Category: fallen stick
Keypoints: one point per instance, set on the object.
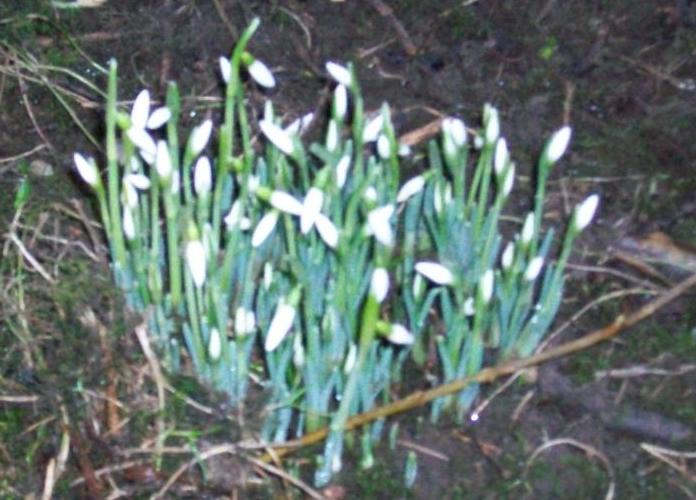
(487, 375)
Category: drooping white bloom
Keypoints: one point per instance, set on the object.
(163, 162)
(280, 326)
(533, 268)
(87, 170)
(492, 123)
(340, 102)
(584, 212)
(378, 224)
(412, 187)
(141, 110)
(342, 171)
(214, 345)
(225, 69)
(384, 147)
(400, 335)
(138, 181)
(261, 74)
(332, 136)
(435, 272)
(469, 309)
(286, 203)
(339, 73)
(311, 208)
(143, 141)
(527, 229)
(159, 117)
(373, 128)
(351, 357)
(196, 261)
(244, 321)
(486, 286)
(379, 284)
(200, 137)
(501, 157)
(455, 129)
(202, 176)
(278, 137)
(264, 228)
(128, 224)
(509, 180)
(558, 144)
(508, 256)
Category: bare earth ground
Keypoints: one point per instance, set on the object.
(620, 72)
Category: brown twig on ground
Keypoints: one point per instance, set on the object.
(387, 12)
(487, 375)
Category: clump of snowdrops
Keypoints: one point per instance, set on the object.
(321, 260)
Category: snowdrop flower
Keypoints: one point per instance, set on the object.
(128, 223)
(278, 137)
(340, 102)
(332, 136)
(196, 261)
(138, 181)
(129, 195)
(163, 162)
(202, 177)
(141, 119)
(411, 188)
(469, 309)
(370, 194)
(373, 128)
(384, 147)
(527, 229)
(244, 321)
(264, 228)
(379, 226)
(509, 180)
(584, 213)
(533, 268)
(351, 357)
(299, 126)
(140, 110)
(298, 352)
(234, 216)
(225, 69)
(404, 150)
(485, 286)
(280, 326)
(176, 182)
(435, 272)
(508, 256)
(144, 142)
(399, 334)
(200, 137)
(87, 170)
(491, 123)
(311, 216)
(455, 130)
(214, 345)
(159, 117)
(339, 73)
(502, 156)
(342, 171)
(285, 202)
(261, 74)
(558, 144)
(379, 284)
(442, 196)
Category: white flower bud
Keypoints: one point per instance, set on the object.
(261, 74)
(339, 73)
(379, 285)
(373, 128)
(340, 102)
(509, 180)
(351, 357)
(486, 286)
(264, 228)
(527, 229)
(508, 256)
(159, 117)
(200, 137)
(87, 169)
(533, 268)
(280, 326)
(469, 309)
(501, 156)
(584, 212)
(202, 177)
(225, 69)
(214, 345)
(163, 162)
(492, 123)
(342, 171)
(435, 272)
(384, 147)
(558, 144)
(412, 187)
(332, 136)
(196, 261)
(278, 137)
(400, 335)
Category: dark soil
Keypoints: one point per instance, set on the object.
(621, 73)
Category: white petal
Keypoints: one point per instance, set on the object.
(141, 110)
(340, 102)
(327, 230)
(310, 209)
(234, 216)
(286, 203)
(384, 147)
(139, 181)
(244, 321)
(400, 335)
(456, 130)
(267, 275)
(509, 180)
(332, 136)
(200, 137)
(163, 162)
(264, 228)
(280, 326)
(585, 211)
(202, 176)
(87, 170)
(501, 156)
(379, 284)
(225, 69)
(469, 307)
(373, 128)
(558, 144)
(214, 345)
(196, 262)
(412, 187)
(527, 229)
(261, 74)
(435, 272)
(370, 194)
(129, 195)
(298, 352)
(342, 171)
(277, 136)
(128, 224)
(486, 286)
(533, 268)
(351, 357)
(142, 140)
(339, 73)
(492, 123)
(176, 182)
(159, 117)
(508, 256)
(298, 126)
(378, 224)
